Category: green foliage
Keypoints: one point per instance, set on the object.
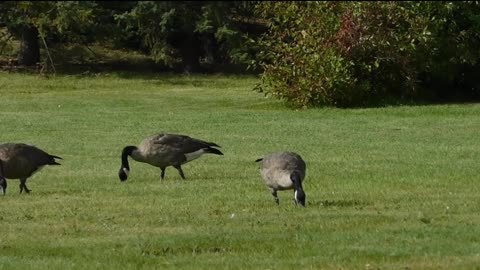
(71, 19)
(151, 20)
(165, 25)
(172, 32)
(6, 47)
(293, 68)
(360, 53)
(58, 24)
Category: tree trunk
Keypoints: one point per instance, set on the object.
(190, 51)
(210, 48)
(29, 54)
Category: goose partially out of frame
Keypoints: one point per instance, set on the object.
(21, 161)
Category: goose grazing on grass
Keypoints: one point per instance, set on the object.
(20, 161)
(283, 171)
(163, 150)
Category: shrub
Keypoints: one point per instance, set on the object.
(361, 53)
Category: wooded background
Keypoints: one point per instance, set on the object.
(310, 54)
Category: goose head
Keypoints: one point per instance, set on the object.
(300, 196)
(125, 168)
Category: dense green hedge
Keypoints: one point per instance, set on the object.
(364, 53)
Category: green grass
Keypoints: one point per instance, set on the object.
(387, 188)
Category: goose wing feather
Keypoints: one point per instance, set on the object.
(180, 143)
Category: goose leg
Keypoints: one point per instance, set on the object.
(274, 193)
(162, 174)
(23, 186)
(180, 171)
(3, 185)
(3, 180)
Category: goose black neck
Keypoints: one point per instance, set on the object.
(127, 151)
(296, 179)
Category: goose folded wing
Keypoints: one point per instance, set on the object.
(183, 143)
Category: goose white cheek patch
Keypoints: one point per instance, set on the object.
(126, 171)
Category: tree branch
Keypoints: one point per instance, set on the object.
(48, 53)
(7, 39)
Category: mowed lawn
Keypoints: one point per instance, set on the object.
(387, 188)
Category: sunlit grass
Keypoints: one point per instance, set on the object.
(388, 188)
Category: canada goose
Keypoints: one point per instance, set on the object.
(163, 150)
(20, 161)
(283, 171)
